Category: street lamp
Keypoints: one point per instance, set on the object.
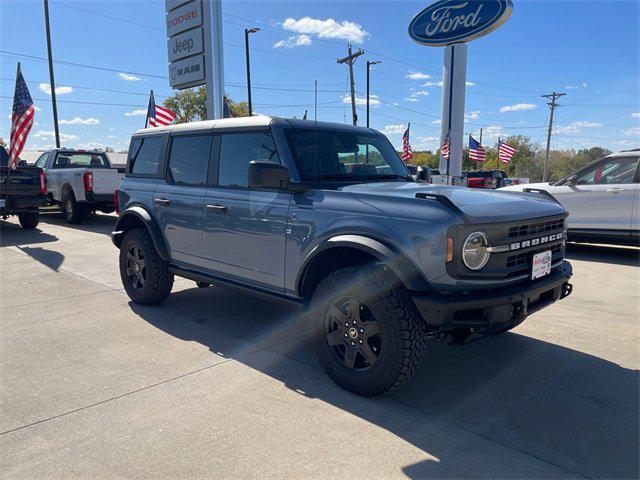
(247, 31)
(368, 65)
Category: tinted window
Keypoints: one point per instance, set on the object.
(237, 150)
(144, 154)
(42, 160)
(189, 159)
(611, 170)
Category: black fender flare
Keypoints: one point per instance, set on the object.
(142, 216)
(404, 268)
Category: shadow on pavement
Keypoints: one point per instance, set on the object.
(616, 255)
(567, 408)
(12, 234)
(96, 223)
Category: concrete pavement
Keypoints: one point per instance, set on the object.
(218, 384)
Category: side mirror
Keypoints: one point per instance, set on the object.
(572, 180)
(270, 176)
(23, 163)
(424, 174)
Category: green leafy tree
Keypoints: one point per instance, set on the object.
(191, 105)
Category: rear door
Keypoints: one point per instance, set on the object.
(245, 229)
(602, 198)
(179, 201)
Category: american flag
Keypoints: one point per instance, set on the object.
(226, 109)
(505, 152)
(21, 119)
(407, 152)
(158, 116)
(477, 153)
(446, 148)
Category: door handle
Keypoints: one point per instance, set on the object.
(217, 208)
(165, 202)
(615, 190)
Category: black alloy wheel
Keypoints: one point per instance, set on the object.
(136, 267)
(353, 334)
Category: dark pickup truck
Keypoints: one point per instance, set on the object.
(22, 191)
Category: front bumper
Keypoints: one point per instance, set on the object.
(486, 310)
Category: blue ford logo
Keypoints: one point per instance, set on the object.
(455, 21)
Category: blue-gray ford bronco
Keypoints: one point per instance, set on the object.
(328, 217)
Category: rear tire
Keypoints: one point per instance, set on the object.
(73, 212)
(368, 335)
(145, 276)
(29, 220)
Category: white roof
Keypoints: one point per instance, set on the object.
(254, 121)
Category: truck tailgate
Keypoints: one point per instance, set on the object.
(24, 182)
(106, 180)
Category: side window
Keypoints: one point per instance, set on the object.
(611, 170)
(144, 155)
(189, 160)
(41, 162)
(238, 150)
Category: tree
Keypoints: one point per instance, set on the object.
(3, 143)
(191, 105)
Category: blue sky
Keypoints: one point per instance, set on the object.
(587, 49)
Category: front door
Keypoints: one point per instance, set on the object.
(179, 201)
(602, 196)
(245, 229)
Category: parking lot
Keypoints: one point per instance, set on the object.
(216, 384)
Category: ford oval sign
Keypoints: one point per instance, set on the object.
(456, 21)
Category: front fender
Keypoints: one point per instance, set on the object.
(133, 217)
(405, 269)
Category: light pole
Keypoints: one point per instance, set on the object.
(368, 65)
(247, 31)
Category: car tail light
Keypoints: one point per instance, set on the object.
(116, 201)
(43, 183)
(88, 181)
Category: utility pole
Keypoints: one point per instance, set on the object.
(51, 79)
(350, 60)
(369, 65)
(552, 106)
(247, 31)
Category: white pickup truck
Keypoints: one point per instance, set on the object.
(80, 181)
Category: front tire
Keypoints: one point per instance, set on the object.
(29, 220)
(73, 212)
(145, 276)
(368, 335)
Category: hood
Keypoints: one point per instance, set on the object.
(479, 205)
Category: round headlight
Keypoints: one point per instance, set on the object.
(474, 251)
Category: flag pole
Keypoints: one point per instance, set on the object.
(480, 163)
(146, 120)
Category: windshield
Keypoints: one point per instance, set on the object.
(80, 160)
(322, 154)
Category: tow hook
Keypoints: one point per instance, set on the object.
(567, 288)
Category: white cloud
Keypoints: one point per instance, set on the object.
(633, 131)
(395, 128)
(472, 115)
(80, 121)
(293, 41)
(411, 99)
(635, 115)
(420, 92)
(518, 107)
(136, 113)
(128, 77)
(436, 122)
(373, 100)
(417, 75)
(48, 135)
(329, 28)
(432, 84)
(494, 131)
(584, 85)
(427, 143)
(37, 108)
(46, 88)
(470, 84)
(575, 127)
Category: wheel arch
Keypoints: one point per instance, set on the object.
(352, 250)
(138, 217)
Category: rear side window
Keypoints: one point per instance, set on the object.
(189, 160)
(238, 150)
(144, 155)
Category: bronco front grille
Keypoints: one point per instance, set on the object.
(523, 258)
(534, 228)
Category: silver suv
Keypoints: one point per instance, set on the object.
(327, 216)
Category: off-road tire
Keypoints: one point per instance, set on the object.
(29, 220)
(403, 332)
(159, 280)
(72, 211)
